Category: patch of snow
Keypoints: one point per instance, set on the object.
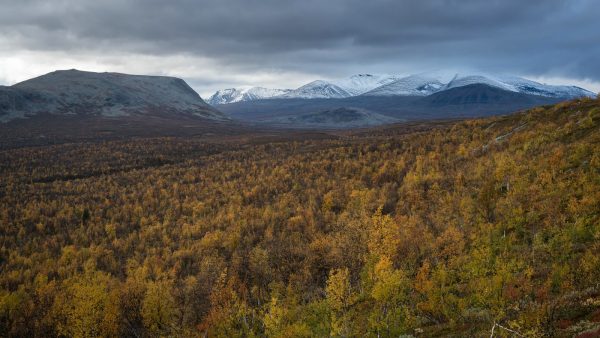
(414, 85)
(318, 89)
(231, 95)
(361, 83)
(520, 85)
(461, 81)
(535, 88)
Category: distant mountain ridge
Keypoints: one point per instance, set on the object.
(74, 92)
(230, 95)
(361, 83)
(472, 100)
(317, 90)
(111, 102)
(339, 118)
(413, 85)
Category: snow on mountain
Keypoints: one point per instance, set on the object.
(231, 95)
(535, 88)
(362, 83)
(318, 89)
(414, 85)
(75, 92)
(351, 86)
(520, 85)
(225, 96)
(461, 81)
(423, 84)
(429, 83)
(256, 93)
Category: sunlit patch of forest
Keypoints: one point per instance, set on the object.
(467, 228)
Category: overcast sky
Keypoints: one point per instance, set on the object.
(215, 44)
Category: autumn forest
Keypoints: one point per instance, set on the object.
(450, 228)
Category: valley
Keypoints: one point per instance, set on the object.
(283, 169)
(427, 228)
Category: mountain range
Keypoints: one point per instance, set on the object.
(391, 85)
(245, 94)
(88, 104)
(472, 100)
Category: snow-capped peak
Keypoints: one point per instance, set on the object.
(318, 89)
(535, 88)
(414, 85)
(362, 83)
(520, 85)
(227, 95)
(231, 95)
(465, 80)
(390, 85)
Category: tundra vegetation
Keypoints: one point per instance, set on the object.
(471, 228)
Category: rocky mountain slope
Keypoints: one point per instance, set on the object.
(79, 93)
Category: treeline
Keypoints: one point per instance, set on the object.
(447, 232)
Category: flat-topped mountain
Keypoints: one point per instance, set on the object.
(74, 92)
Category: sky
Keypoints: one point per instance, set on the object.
(215, 44)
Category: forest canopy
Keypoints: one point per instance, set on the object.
(453, 230)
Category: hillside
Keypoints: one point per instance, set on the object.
(74, 106)
(78, 93)
(449, 229)
(340, 118)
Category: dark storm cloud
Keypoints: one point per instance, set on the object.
(329, 37)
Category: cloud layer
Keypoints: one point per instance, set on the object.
(216, 43)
